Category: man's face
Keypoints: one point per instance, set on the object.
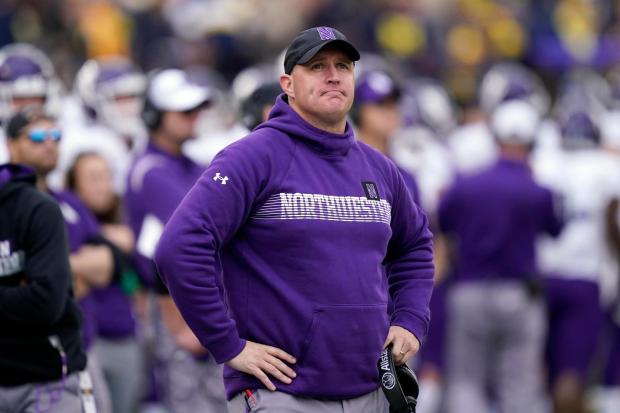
(180, 126)
(36, 147)
(322, 90)
(20, 102)
(380, 119)
(94, 183)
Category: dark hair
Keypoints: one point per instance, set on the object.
(112, 216)
(25, 117)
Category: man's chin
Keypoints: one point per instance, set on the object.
(341, 107)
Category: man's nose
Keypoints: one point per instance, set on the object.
(333, 76)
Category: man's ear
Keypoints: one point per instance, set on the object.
(286, 83)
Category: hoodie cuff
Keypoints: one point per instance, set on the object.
(227, 349)
(412, 323)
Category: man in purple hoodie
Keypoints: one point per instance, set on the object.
(305, 222)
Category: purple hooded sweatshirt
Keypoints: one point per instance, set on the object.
(304, 222)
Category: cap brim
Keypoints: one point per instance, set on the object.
(185, 98)
(345, 46)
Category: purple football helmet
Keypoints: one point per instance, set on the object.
(510, 80)
(579, 130)
(111, 91)
(26, 74)
(583, 90)
(425, 102)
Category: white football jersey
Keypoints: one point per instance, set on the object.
(4, 151)
(418, 151)
(585, 182)
(473, 147)
(78, 139)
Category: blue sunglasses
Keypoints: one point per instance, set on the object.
(40, 135)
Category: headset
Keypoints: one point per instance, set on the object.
(399, 383)
(150, 115)
(252, 106)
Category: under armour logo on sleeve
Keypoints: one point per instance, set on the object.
(219, 177)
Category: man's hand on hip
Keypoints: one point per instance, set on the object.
(260, 360)
(405, 344)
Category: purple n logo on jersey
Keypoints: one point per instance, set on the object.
(326, 33)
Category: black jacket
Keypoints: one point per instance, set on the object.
(39, 320)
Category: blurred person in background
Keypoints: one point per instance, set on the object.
(235, 112)
(33, 140)
(116, 345)
(256, 107)
(27, 77)
(103, 115)
(473, 145)
(157, 182)
(420, 145)
(587, 181)
(40, 320)
(377, 116)
(495, 309)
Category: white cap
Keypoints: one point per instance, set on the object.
(515, 121)
(171, 90)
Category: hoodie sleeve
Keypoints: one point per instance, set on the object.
(409, 263)
(42, 297)
(210, 214)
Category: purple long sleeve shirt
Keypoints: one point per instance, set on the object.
(494, 217)
(157, 182)
(306, 223)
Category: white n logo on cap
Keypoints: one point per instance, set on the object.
(326, 33)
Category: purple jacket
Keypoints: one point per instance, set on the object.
(304, 222)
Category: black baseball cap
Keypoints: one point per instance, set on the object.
(310, 41)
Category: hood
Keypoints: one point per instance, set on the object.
(12, 173)
(284, 119)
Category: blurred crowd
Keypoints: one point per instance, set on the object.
(431, 79)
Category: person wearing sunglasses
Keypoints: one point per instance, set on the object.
(33, 140)
(158, 180)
